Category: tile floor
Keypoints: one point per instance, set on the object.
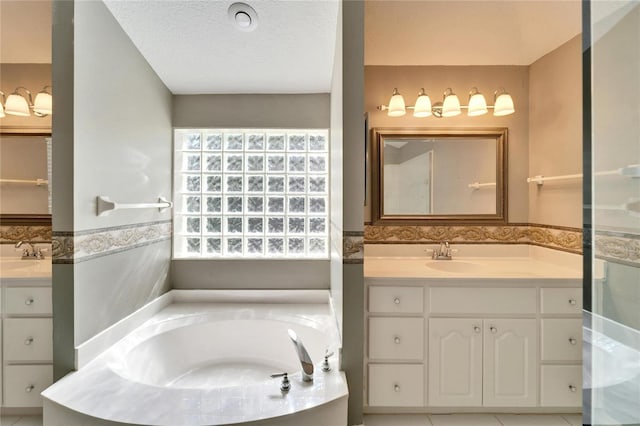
(21, 421)
(473, 420)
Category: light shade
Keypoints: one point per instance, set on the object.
(42, 104)
(422, 107)
(503, 105)
(396, 105)
(451, 104)
(477, 103)
(2, 114)
(17, 105)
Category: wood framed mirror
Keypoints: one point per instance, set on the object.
(429, 176)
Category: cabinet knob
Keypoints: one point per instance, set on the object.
(396, 300)
(396, 340)
(396, 388)
(29, 388)
(493, 330)
(572, 340)
(572, 388)
(29, 301)
(476, 329)
(572, 301)
(28, 341)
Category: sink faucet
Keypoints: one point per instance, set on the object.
(30, 252)
(303, 355)
(442, 253)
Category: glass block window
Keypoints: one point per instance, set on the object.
(251, 193)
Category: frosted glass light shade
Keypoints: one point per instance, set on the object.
(2, 114)
(422, 107)
(43, 103)
(477, 105)
(396, 105)
(17, 105)
(451, 105)
(504, 105)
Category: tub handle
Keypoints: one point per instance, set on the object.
(285, 386)
(325, 364)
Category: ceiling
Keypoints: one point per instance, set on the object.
(25, 32)
(472, 32)
(194, 47)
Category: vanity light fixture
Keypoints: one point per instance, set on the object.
(21, 104)
(2, 114)
(450, 105)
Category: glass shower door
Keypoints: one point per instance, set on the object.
(611, 70)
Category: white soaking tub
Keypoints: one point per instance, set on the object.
(209, 363)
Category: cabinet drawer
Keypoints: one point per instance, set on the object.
(561, 339)
(561, 300)
(27, 339)
(469, 300)
(561, 386)
(409, 300)
(396, 385)
(23, 384)
(396, 338)
(28, 300)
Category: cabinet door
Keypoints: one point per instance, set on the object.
(455, 362)
(510, 358)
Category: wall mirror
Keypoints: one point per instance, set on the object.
(25, 196)
(439, 176)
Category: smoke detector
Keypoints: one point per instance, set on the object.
(243, 17)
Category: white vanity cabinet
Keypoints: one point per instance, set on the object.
(487, 345)
(27, 336)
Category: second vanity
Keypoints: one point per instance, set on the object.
(498, 328)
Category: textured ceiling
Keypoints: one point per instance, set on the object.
(194, 47)
(25, 32)
(477, 32)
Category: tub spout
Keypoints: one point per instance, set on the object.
(305, 359)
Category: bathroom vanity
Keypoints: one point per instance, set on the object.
(498, 328)
(26, 334)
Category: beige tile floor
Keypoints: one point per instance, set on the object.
(473, 420)
(21, 421)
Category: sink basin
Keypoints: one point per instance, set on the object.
(458, 266)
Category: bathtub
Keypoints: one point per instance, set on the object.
(206, 359)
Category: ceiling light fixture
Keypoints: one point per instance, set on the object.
(450, 105)
(21, 104)
(243, 17)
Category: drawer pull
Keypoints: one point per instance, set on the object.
(572, 302)
(29, 301)
(572, 388)
(396, 300)
(572, 341)
(29, 388)
(476, 329)
(396, 388)
(396, 340)
(493, 330)
(28, 341)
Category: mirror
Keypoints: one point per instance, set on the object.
(439, 176)
(25, 196)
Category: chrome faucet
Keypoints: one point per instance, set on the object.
(30, 252)
(442, 253)
(303, 355)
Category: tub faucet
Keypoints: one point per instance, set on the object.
(305, 359)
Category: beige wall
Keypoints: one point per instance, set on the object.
(555, 135)
(33, 77)
(380, 81)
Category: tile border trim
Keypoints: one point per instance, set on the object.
(620, 248)
(75, 247)
(353, 247)
(11, 234)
